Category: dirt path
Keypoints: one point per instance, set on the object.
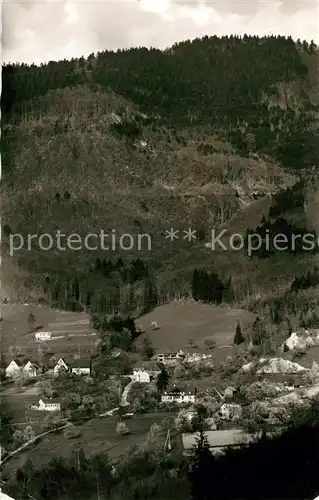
(31, 441)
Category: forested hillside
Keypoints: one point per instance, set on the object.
(202, 135)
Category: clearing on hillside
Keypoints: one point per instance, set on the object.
(180, 322)
(71, 331)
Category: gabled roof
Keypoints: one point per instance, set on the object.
(47, 401)
(151, 366)
(33, 363)
(17, 361)
(61, 359)
(219, 438)
(181, 389)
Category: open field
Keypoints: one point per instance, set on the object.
(97, 435)
(71, 331)
(180, 322)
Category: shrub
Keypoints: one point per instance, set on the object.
(71, 432)
(122, 428)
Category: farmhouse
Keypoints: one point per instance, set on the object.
(43, 336)
(60, 367)
(145, 372)
(81, 367)
(47, 405)
(30, 369)
(141, 375)
(170, 358)
(180, 396)
(14, 369)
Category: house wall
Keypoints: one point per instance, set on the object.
(141, 376)
(183, 398)
(43, 335)
(30, 372)
(49, 406)
(13, 370)
(81, 371)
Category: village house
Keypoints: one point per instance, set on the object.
(60, 367)
(170, 358)
(145, 372)
(81, 367)
(140, 375)
(30, 369)
(43, 336)
(14, 369)
(47, 405)
(180, 396)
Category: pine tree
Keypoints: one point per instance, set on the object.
(31, 321)
(195, 281)
(238, 339)
(162, 380)
(201, 462)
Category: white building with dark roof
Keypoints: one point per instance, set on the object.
(145, 371)
(47, 405)
(81, 367)
(179, 395)
(170, 358)
(43, 336)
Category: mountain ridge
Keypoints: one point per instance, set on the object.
(107, 136)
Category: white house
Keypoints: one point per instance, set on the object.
(170, 358)
(43, 336)
(178, 396)
(30, 369)
(145, 372)
(60, 367)
(81, 367)
(141, 375)
(14, 369)
(47, 405)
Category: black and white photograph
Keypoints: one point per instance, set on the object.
(159, 250)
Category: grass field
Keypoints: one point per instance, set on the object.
(181, 322)
(71, 331)
(97, 435)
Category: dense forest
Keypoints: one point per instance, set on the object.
(248, 91)
(226, 74)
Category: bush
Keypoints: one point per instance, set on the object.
(71, 432)
(53, 421)
(122, 428)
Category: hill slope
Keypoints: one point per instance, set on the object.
(202, 135)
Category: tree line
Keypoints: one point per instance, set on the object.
(214, 95)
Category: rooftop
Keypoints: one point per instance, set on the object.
(80, 363)
(147, 366)
(50, 401)
(219, 438)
